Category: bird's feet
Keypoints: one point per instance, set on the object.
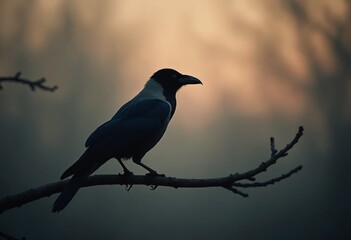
(126, 172)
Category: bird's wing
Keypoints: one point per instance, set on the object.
(136, 116)
(132, 124)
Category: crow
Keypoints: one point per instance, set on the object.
(135, 129)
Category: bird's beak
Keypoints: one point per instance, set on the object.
(186, 79)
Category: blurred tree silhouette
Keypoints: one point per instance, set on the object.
(321, 42)
(331, 96)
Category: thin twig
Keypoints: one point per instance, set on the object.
(273, 149)
(236, 191)
(269, 182)
(32, 84)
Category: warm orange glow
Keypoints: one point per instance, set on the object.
(256, 69)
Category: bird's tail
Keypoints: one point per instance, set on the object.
(80, 171)
(68, 193)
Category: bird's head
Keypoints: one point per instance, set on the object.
(171, 80)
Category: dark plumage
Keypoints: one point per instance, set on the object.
(136, 128)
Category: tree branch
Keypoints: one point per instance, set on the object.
(230, 182)
(32, 84)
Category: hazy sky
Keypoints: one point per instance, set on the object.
(267, 67)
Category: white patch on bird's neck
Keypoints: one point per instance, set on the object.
(152, 90)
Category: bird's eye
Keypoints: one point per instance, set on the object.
(174, 76)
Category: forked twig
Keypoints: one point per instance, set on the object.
(32, 84)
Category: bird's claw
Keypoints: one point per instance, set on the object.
(128, 187)
(127, 173)
(153, 187)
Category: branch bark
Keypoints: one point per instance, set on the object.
(32, 84)
(231, 182)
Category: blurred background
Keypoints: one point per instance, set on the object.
(267, 67)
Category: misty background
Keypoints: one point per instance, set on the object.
(267, 68)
